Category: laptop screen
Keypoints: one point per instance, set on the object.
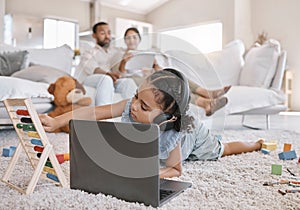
(120, 159)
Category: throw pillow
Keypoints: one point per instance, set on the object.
(11, 62)
(195, 66)
(260, 65)
(228, 62)
(59, 57)
(38, 73)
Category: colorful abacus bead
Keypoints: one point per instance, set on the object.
(26, 120)
(26, 127)
(36, 142)
(22, 112)
(38, 149)
(33, 134)
(52, 176)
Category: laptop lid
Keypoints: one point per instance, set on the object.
(120, 159)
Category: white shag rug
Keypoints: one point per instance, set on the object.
(233, 182)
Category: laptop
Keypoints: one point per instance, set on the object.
(119, 159)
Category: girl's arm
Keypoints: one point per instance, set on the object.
(85, 113)
(173, 164)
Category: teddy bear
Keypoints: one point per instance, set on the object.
(68, 94)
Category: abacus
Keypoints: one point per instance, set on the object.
(34, 141)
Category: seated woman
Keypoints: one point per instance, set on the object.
(209, 100)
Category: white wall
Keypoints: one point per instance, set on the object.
(281, 20)
(2, 12)
(109, 15)
(242, 22)
(70, 9)
(178, 13)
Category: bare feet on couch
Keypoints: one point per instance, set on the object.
(211, 94)
(219, 92)
(211, 105)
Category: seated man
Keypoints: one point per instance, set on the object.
(95, 68)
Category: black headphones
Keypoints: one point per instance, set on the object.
(166, 120)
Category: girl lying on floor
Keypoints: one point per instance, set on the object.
(163, 98)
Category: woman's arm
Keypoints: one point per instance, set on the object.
(124, 60)
(173, 164)
(85, 113)
(122, 66)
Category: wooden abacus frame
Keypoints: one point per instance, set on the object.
(38, 164)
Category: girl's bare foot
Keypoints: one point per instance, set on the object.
(211, 106)
(259, 143)
(220, 92)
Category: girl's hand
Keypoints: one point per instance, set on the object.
(50, 124)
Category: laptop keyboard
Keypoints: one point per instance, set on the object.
(164, 193)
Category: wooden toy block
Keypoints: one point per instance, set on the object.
(265, 151)
(290, 155)
(8, 152)
(276, 169)
(269, 145)
(33, 139)
(12, 149)
(287, 147)
(5, 152)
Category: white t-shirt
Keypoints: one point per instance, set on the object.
(98, 57)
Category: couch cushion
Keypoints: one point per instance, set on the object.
(195, 66)
(279, 74)
(11, 87)
(59, 57)
(11, 62)
(228, 62)
(243, 98)
(260, 65)
(38, 73)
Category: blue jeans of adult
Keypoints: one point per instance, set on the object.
(105, 88)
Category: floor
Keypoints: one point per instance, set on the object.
(285, 121)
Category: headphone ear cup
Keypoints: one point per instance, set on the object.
(162, 121)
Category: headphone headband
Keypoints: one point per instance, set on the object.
(166, 121)
(186, 90)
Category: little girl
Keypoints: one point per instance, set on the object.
(163, 98)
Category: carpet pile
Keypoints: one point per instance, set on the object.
(233, 182)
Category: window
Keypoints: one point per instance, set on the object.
(60, 32)
(204, 38)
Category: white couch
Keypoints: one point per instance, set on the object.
(33, 82)
(256, 77)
